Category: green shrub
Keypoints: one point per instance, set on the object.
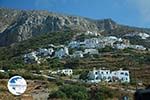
(4, 75)
(73, 92)
(84, 75)
(106, 49)
(102, 93)
(58, 94)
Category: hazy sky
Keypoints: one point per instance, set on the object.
(129, 12)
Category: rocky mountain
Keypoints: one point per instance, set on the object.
(19, 25)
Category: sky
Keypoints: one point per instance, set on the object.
(128, 12)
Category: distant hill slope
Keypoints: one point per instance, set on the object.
(19, 25)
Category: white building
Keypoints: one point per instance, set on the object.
(62, 52)
(78, 54)
(120, 46)
(31, 58)
(45, 52)
(138, 47)
(67, 72)
(3, 71)
(74, 44)
(94, 33)
(91, 43)
(144, 35)
(121, 75)
(96, 76)
(54, 46)
(90, 51)
(110, 40)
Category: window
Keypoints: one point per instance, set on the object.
(96, 78)
(104, 78)
(96, 73)
(126, 74)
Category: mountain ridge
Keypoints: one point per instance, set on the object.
(19, 25)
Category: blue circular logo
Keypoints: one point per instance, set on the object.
(17, 85)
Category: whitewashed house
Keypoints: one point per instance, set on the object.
(105, 75)
(120, 46)
(3, 71)
(31, 58)
(62, 53)
(138, 47)
(110, 40)
(67, 72)
(96, 76)
(124, 43)
(45, 52)
(130, 35)
(94, 33)
(120, 75)
(144, 35)
(54, 46)
(91, 51)
(78, 54)
(102, 43)
(120, 40)
(74, 44)
(91, 43)
(53, 72)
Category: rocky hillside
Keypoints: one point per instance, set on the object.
(19, 25)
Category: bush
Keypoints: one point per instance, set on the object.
(99, 96)
(102, 93)
(106, 49)
(4, 75)
(79, 96)
(73, 92)
(58, 94)
(72, 63)
(25, 74)
(55, 63)
(84, 75)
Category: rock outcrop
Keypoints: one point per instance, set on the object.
(19, 25)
